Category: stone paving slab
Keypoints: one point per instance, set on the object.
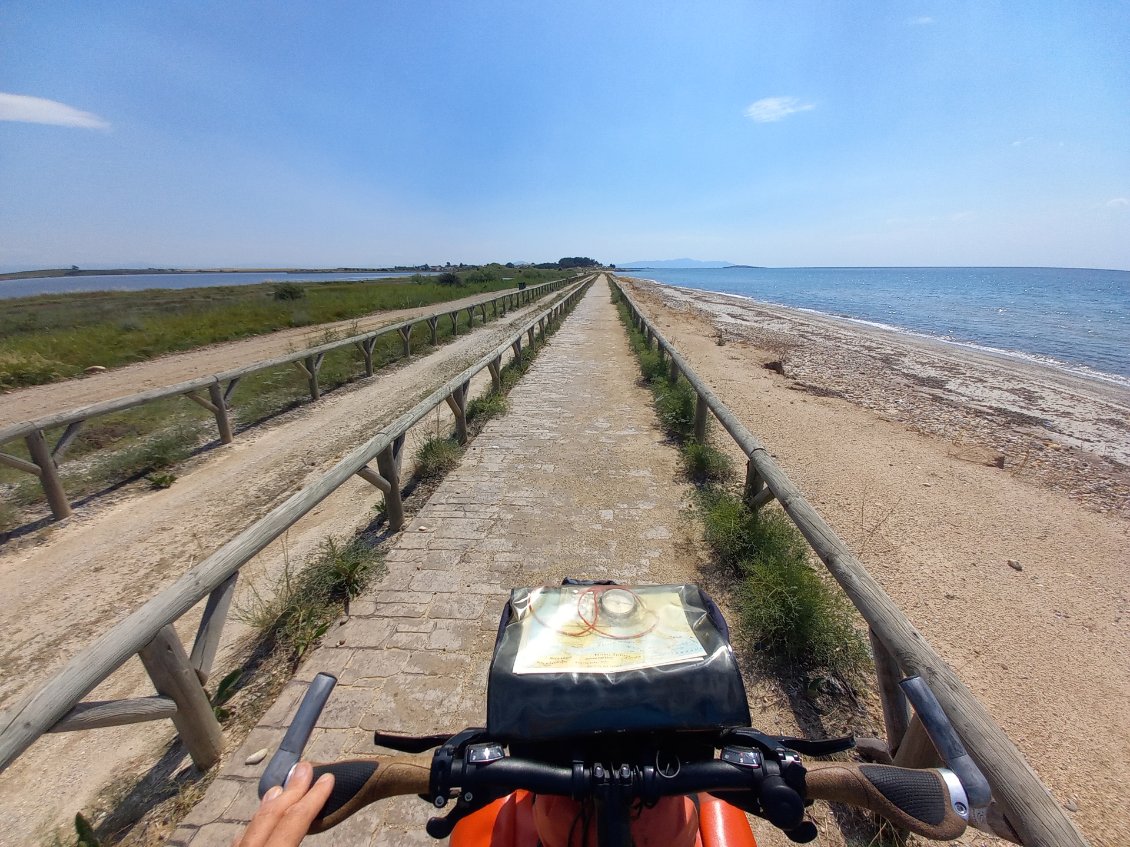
(572, 481)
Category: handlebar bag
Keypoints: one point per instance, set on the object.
(585, 658)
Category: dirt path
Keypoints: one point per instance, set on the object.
(904, 472)
(574, 480)
(38, 400)
(81, 577)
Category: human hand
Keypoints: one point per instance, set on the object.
(284, 816)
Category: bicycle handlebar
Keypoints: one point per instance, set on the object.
(915, 800)
(360, 782)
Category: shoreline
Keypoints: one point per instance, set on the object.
(1065, 431)
(1080, 371)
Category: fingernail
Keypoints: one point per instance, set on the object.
(326, 777)
(272, 793)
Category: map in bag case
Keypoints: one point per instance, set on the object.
(581, 658)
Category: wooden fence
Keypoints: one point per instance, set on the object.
(45, 458)
(899, 649)
(179, 675)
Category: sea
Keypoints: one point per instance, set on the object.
(1071, 318)
(140, 282)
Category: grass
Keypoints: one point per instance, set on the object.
(436, 458)
(294, 614)
(798, 618)
(56, 336)
(788, 608)
(704, 464)
(483, 408)
(156, 436)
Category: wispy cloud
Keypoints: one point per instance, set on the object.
(1020, 142)
(1118, 202)
(38, 110)
(922, 20)
(770, 109)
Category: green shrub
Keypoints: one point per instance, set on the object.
(801, 620)
(449, 278)
(437, 457)
(675, 404)
(705, 464)
(728, 525)
(488, 406)
(301, 608)
(288, 291)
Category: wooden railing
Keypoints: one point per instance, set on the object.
(45, 458)
(899, 649)
(148, 632)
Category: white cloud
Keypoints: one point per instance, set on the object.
(1020, 142)
(770, 109)
(924, 20)
(37, 110)
(1118, 202)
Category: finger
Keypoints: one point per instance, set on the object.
(274, 805)
(296, 821)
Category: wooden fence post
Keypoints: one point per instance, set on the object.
(701, 410)
(495, 368)
(754, 484)
(471, 317)
(530, 333)
(516, 346)
(673, 371)
(310, 366)
(220, 410)
(65, 441)
(388, 465)
(896, 715)
(48, 474)
(541, 327)
(457, 400)
(167, 665)
(366, 346)
(211, 626)
(454, 322)
(406, 339)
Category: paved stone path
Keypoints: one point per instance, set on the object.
(572, 481)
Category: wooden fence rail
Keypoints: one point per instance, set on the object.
(178, 676)
(1034, 815)
(45, 459)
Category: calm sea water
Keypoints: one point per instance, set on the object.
(138, 282)
(1070, 317)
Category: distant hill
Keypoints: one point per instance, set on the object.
(673, 263)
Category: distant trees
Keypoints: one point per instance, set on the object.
(577, 262)
(449, 278)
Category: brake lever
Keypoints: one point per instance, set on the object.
(778, 744)
(408, 743)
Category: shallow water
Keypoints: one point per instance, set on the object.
(1075, 317)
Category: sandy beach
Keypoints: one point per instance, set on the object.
(940, 465)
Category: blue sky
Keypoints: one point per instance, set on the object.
(917, 132)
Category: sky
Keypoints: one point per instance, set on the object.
(301, 134)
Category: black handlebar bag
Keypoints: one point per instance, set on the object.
(581, 659)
